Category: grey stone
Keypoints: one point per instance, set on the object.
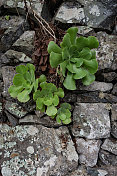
(105, 52)
(19, 6)
(90, 97)
(12, 29)
(25, 43)
(36, 150)
(15, 109)
(114, 91)
(97, 86)
(88, 151)
(102, 171)
(96, 97)
(95, 14)
(8, 73)
(13, 121)
(39, 120)
(114, 112)
(114, 64)
(70, 98)
(91, 120)
(110, 145)
(80, 171)
(114, 129)
(109, 77)
(108, 158)
(85, 30)
(14, 57)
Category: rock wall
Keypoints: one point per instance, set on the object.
(33, 144)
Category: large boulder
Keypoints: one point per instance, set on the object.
(91, 120)
(96, 14)
(36, 150)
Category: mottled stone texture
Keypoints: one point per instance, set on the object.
(96, 86)
(12, 29)
(36, 151)
(25, 43)
(96, 14)
(91, 120)
(88, 151)
(8, 73)
(110, 145)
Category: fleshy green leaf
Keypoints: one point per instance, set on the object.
(71, 67)
(73, 33)
(85, 54)
(42, 78)
(93, 54)
(62, 116)
(36, 95)
(48, 101)
(14, 90)
(51, 110)
(63, 67)
(79, 73)
(66, 106)
(92, 42)
(65, 54)
(39, 103)
(69, 82)
(36, 84)
(91, 65)
(55, 59)
(60, 92)
(18, 80)
(23, 96)
(54, 47)
(74, 53)
(81, 43)
(55, 100)
(58, 120)
(21, 69)
(88, 79)
(66, 121)
(77, 61)
(66, 41)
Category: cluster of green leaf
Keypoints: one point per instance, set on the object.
(45, 94)
(24, 83)
(75, 57)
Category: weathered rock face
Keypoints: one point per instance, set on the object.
(25, 43)
(44, 152)
(114, 120)
(91, 120)
(108, 158)
(12, 29)
(110, 145)
(8, 73)
(114, 91)
(36, 5)
(14, 57)
(88, 151)
(97, 86)
(96, 14)
(105, 53)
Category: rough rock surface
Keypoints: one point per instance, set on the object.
(15, 109)
(12, 29)
(25, 43)
(95, 14)
(36, 5)
(45, 151)
(114, 91)
(107, 60)
(14, 57)
(8, 73)
(108, 158)
(97, 86)
(114, 120)
(88, 151)
(110, 145)
(91, 120)
(96, 97)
